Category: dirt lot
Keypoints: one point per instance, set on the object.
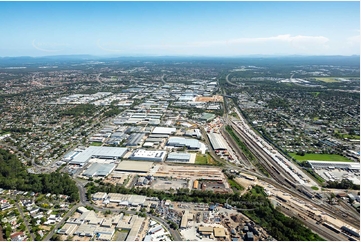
(210, 99)
(163, 184)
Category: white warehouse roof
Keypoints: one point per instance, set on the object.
(147, 155)
(180, 141)
(100, 152)
(163, 130)
(217, 141)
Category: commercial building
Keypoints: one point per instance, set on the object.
(217, 141)
(97, 196)
(135, 139)
(87, 230)
(146, 155)
(196, 133)
(219, 233)
(205, 230)
(97, 152)
(178, 157)
(133, 233)
(134, 166)
(183, 142)
(126, 199)
(99, 170)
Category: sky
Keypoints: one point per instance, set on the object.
(179, 28)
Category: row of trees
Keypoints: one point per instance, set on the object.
(343, 184)
(13, 175)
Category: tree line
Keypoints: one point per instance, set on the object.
(276, 223)
(13, 175)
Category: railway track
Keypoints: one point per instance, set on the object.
(264, 159)
(319, 229)
(279, 182)
(349, 211)
(229, 139)
(333, 211)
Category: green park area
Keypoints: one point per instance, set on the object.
(96, 144)
(351, 136)
(320, 157)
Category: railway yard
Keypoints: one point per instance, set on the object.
(291, 189)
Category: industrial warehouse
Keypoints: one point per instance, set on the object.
(100, 152)
(217, 141)
(191, 144)
(181, 157)
(99, 170)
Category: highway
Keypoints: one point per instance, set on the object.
(163, 79)
(231, 83)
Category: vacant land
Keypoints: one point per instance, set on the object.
(333, 79)
(210, 99)
(320, 157)
(201, 159)
(205, 160)
(327, 79)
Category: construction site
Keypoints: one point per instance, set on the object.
(215, 98)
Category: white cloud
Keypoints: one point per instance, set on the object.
(286, 44)
(300, 42)
(354, 40)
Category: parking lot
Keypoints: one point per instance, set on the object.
(339, 174)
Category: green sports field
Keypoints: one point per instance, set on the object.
(320, 157)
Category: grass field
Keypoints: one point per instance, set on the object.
(349, 136)
(320, 157)
(332, 78)
(327, 79)
(201, 159)
(205, 160)
(235, 186)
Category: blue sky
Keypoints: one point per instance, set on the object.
(179, 28)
